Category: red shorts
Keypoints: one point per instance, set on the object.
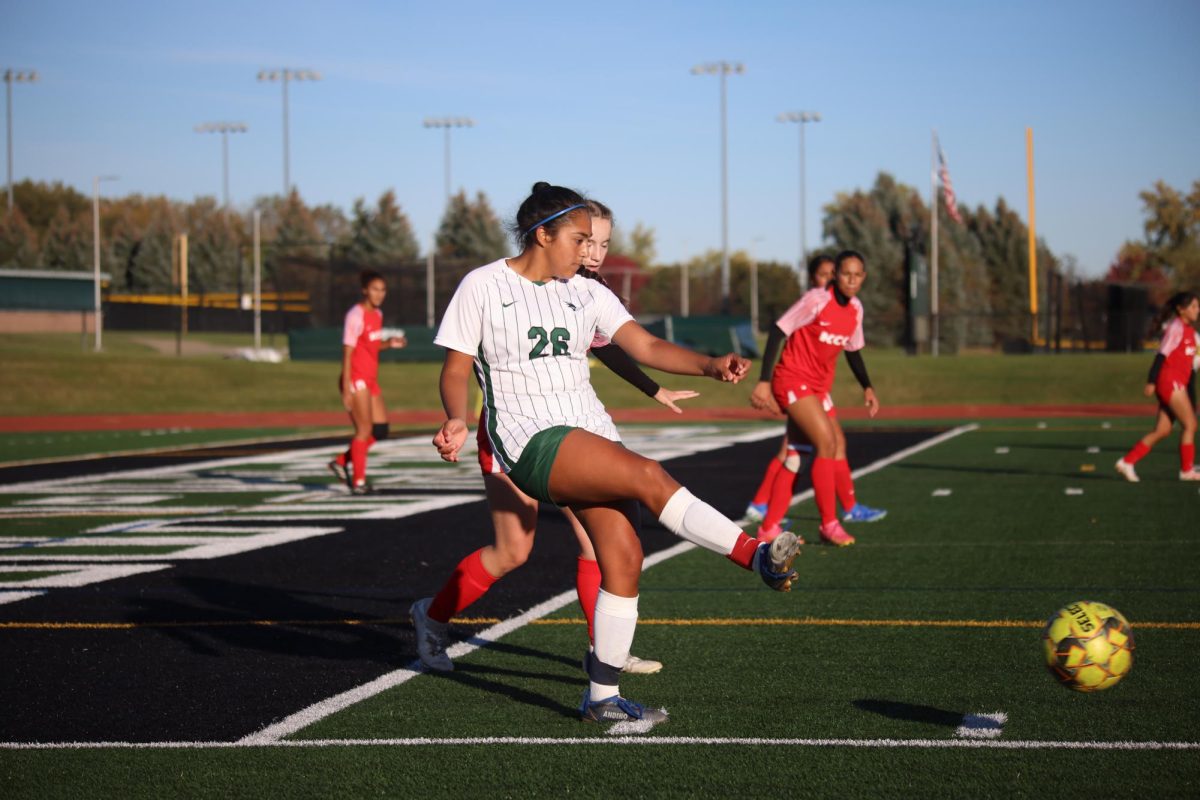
(1165, 387)
(358, 384)
(790, 390)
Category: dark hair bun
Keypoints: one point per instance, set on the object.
(540, 186)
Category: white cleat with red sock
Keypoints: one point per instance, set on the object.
(1190, 475)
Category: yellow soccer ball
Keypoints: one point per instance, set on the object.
(1088, 645)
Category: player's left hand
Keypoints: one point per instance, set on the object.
(871, 402)
(729, 368)
(397, 342)
(450, 439)
(668, 397)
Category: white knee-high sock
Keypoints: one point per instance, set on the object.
(691, 518)
(616, 621)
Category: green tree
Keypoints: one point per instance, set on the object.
(39, 202)
(1172, 227)
(68, 242)
(18, 242)
(640, 244)
(471, 231)
(381, 236)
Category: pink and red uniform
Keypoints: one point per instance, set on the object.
(1178, 348)
(364, 332)
(818, 330)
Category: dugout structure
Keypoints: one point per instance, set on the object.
(48, 301)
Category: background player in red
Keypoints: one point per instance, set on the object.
(362, 338)
(1172, 380)
(822, 324)
(515, 514)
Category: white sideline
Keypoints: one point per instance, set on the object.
(318, 711)
(931, 744)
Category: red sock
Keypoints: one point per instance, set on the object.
(469, 582)
(1187, 457)
(342, 458)
(823, 480)
(587, 586)
(763, 495)
(358, 458)
(844, 483)
(1135, 455)
(781, 498)
(743, 551)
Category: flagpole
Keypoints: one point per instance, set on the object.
(1033, 276)
(933, 245)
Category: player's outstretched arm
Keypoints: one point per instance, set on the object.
(645, 348)
(617, 360)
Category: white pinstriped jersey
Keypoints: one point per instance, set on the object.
(530, 343)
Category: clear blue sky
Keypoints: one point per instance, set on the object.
(599, 96)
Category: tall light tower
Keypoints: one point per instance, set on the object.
(96, 320)
(285, 75)
(801, 118)
(223, 128)
(12, 76)
(446, 123)
(723, 69)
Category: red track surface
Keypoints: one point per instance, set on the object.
(297, 419)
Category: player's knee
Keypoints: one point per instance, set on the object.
(792, 462)
(380, 431)
(511, 557)
(652, 482)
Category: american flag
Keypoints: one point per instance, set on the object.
(947, 186)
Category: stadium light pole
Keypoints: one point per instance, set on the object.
(801, 118)
(96, 319)
(223, 128)
(12, 76)
(723, 69)
(446, 123)
(285, 75)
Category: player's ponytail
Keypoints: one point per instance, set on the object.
(1170, 309)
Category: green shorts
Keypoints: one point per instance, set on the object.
(531, 473)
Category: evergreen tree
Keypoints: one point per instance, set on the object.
(381, 236)
(471, 231)
(68, 242)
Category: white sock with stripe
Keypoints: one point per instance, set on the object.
(689, 517)
(615, 623)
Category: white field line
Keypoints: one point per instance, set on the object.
(325, 708)
(216, 548)
(305, 717)
(12, 597)
(645, 741)
(78, 577)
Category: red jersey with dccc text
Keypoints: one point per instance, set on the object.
(818, 330)
(1178, 348)
(364, 332)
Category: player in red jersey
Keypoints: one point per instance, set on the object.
(515, 514)
(1172, 379)
(362, 338)
(822, 324)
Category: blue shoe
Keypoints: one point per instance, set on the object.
(755, 512)
(861, 513)
(618, 709)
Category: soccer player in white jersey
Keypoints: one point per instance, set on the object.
(515, 514)
(524, 326)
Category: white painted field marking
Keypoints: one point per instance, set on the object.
(630, 727)
(942, 492)
(644, 741)
(1093, 449)
(1041, 426)
(1073, 490)
(1106, 425)
(216, 547)
(982, 726)
(332, 705)
(12, 597)
(73, 576)
(99, 500)
(1000, 451)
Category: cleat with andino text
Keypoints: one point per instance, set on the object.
(618, 709)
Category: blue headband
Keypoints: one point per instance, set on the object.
(566, 210)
